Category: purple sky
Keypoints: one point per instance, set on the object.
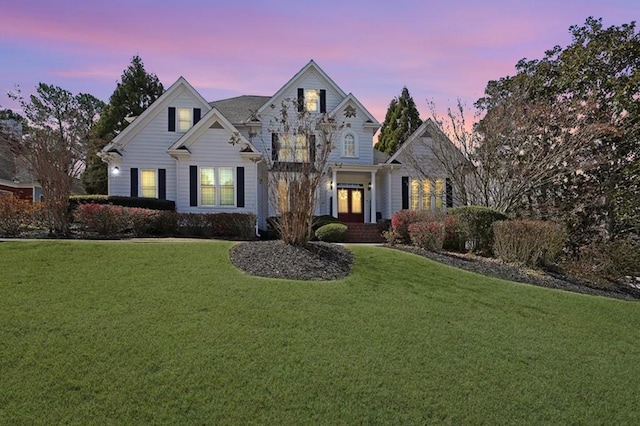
(440, 50)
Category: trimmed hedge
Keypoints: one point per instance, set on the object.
(428, 235)
(531, 242)
(401, 220)
(227, 225)
(332, 232)
(475, 232)
(116, 200)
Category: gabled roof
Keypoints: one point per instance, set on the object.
(350, 98)
(241, 109)
(427, 125)
(143, 119)
(294, 80)
(213, 116)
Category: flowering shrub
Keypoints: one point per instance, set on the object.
(15, 214)
(103, 219)
(530, 242)
(428, 235)
(401, 220)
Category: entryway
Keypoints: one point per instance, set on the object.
(351, 205)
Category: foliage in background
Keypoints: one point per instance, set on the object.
(134, 93)
(401, 120)
(529, 242)
(54, 144)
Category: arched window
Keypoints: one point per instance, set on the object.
(349, 145)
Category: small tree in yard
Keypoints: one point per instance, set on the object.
(54, 143)
(300, 146)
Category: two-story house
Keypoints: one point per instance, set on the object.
(181, 149)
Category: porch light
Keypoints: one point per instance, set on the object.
(369, 186)
(115, 171)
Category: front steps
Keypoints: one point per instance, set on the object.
(363, 233)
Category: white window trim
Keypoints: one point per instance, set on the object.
(218, 186)
(155, 173)
(317, 91)
(355, 148)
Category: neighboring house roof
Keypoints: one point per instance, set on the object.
(143, 119)
(380, 157)
(13, 168)
(294, 80)
(241, 109)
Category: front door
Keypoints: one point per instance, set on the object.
(351, 205)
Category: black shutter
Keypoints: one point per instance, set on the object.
(134, 181)
(312, 148)
(405, 192)
(162, 184)
(240, 187)
(300, 100)
(172, 119)
(193, 186)
(275, 147)
(196, 115)
(323, 100)
(449, 192)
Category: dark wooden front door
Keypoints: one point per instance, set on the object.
(351, 205)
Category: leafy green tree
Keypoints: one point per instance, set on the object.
(401, 121)
(134, 93)
(54, 144)
(595, 85)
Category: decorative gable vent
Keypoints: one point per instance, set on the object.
(216, 125)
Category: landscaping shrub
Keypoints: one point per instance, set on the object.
(15, 214)
(227, 225)
(140, 202)
(152, 222)
(103, 219)
(531, 242)
(401, 220)
(320, 221)
(332, 232)
(428, 235)
(474, 228)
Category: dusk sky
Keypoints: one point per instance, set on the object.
(440, 50)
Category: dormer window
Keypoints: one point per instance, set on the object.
(312, 100)
(182, 119)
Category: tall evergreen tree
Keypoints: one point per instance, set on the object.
(134, 93)
(401, 121)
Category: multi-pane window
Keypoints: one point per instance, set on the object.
(293, 148)
(185, 119)
(217, 186)
(312, 100)
(283, 196)
(426, 194)
(349, 145)
(148, 183)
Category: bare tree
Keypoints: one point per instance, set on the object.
(300, 145)
(54, 144)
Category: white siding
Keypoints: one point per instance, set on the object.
(212, 149)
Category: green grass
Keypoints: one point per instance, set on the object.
(134, 333)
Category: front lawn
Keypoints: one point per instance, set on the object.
(172, 333)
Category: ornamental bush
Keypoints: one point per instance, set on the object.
(116, 200)
(225, 225)
(401, 220)
(531, 242)
(474, 229)
(15, 214)
(428, 235)
(152, 222)
(332, 232)
(103, 219)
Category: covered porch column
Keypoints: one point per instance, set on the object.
(372, 214)
(334, 192)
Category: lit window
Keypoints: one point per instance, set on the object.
(423, 196)
(312, 100)
(226, 186)
(349, 145)
(207, 186)
(184, 119)
(217, 186)
(283, 196)
(293, 149)
(343, 201)
(148, 183)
